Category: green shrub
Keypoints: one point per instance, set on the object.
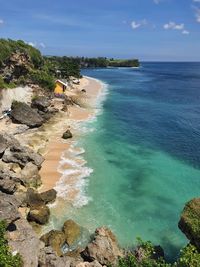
(189, 257)
(42, 78)
(6, 257)
(148, 257)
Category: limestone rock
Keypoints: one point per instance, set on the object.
(189, 222)
(24, 240)
(22, 156)
(67, 134)
(33, 198)
(55, 239)
(41, 103)
(30, 175)
(39, 214)
(104, 248)
(9, 181)
(48, 196)
(6, 140)
(48, 258)
(8, 208)
(24, 114)
(72, 231)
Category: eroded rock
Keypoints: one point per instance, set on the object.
(24, 114)
(67, 135)
(39, 214)
(30, 175)
(55, 239)
(104, 248)
(71, 231)
(48, 196)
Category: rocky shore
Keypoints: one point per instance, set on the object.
(24, 207)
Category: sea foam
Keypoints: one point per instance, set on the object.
(74, 172)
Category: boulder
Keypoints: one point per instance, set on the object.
(8, 208)
(67, 134)
(23, 239)
(104, 248)
(22, 156)
(24, 114)
(33, 198)
(55, 239)
(9, 181)
(72, 231)
(6, 140)
(39, 214)
(189, 222)
(30, 175)
(48, 258)
(41, 103)
(48, 196)
(3, 144)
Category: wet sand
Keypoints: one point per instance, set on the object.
(56, 145)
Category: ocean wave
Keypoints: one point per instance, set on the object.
(74, 172)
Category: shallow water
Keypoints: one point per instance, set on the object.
(144, 153)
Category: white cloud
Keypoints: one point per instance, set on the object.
(197, 15)
(197, 1)
(1, 21)
(42, 45)
(136, 25)
(185, 32)
(37, 45)
(173, 26)
(32, 44)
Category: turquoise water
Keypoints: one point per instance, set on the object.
(144, 152)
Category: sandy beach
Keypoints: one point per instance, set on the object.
(52, 168)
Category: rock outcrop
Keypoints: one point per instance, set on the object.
(17, 65)
(9, 181)
(48, 196)
(7, 140)
(8, 208)
(23, 114)
(22, 156)
(189, 222)
(71, 231)
(104, 248)
(22, 239)
(30, 175)
(67, 134)
(39, 214)
(55, 239)
(41, 103)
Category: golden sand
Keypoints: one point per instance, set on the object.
(56, 145)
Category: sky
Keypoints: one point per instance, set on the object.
(151, 30)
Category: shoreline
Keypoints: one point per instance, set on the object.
(64, 167)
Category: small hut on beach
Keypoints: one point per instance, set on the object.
(60, 87)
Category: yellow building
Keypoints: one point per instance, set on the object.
(60, 87)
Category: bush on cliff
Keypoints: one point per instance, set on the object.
(145, 255)
(42, 78)
(6, 257)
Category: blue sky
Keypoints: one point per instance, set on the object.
(144, 29)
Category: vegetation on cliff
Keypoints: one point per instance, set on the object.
(6, 257)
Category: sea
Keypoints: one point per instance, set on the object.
(141, 153)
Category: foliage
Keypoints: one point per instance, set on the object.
(148, 258)
(189, 257)
(8, 46)
(6, 257)
(42, 78)
(4, 85)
